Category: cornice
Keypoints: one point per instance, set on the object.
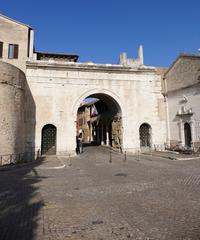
(88, 67)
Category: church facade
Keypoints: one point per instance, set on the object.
(182, 94)
(48, 88)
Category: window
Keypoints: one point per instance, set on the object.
(1, 49)
(13, 51)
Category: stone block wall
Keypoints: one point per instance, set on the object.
(58, 89)
(184, 73)
(12, 105)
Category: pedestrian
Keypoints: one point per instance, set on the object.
(77, 145)
(80, 139)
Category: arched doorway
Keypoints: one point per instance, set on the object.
(145, 136)
(188, 137)
(99, 121)
(48, 145)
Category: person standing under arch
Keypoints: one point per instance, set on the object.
(79, 144)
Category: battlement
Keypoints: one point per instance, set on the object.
(131, 62)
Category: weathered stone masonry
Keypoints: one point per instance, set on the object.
(12, 105)
(53, 86)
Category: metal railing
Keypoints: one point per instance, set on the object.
(7, 159)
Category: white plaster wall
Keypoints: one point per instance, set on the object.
(174, 103)
(59, 89)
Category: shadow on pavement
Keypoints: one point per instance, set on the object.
(20, 203)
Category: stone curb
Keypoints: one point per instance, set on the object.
(172, 158)
(19, 165)
(192, 158)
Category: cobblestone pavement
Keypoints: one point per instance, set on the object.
(91, 197)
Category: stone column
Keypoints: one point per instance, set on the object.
(107, 136)
(91, 130)
(94, 133)
(181, 133)
(167, 119)
(140, 55)
(102, 140)
(192, 127)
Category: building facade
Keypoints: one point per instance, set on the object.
(57, 85)
(16, 42)
(84, 121)
(182, 93)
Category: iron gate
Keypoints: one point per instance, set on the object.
(48, 139)
(145, 135)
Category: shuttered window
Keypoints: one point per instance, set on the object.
(1, 49)
(13, 50)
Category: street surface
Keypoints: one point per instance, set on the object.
(96, 197)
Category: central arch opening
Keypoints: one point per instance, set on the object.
(99, 121)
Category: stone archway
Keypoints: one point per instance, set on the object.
(95, 120)
(48, 145)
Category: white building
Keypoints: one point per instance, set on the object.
(182, 91)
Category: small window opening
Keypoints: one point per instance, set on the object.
(13, 51)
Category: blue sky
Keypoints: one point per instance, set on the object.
(99, 30)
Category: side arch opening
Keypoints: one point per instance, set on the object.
(48, 144)
(145, 132)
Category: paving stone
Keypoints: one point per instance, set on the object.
(93, 199)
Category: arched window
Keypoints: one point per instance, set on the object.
(48, 145)
(145, 135)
